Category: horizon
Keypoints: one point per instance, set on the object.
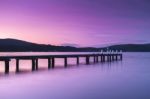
(69, 45)
(83, 23)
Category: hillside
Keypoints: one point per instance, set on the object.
(132, 47)
(13, 45)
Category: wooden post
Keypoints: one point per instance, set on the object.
(53, 62)
(49, 63)
(121, 57)
(116, 57)
(65, 62)
(101, 57)
(107, 58)
(87, 60)
(33, 64)
(110, 57)
(37, 64)
(17, 65)
(94, 59)
(113, 58)
(7, 66)
(104, 58)
(77, 60)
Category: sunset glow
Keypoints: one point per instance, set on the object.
(81, 22)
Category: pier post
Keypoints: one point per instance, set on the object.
(116, 57)
(109, 58)
(7, 66)
(87, 60)
(49, 63)
(77, 60)
(104, 58)
(65, 62)
(17, 65)
(101, 58)
(33, 65)
(113, 58)
(121, 57)
(96, 59)
(53, 62)
(37, 64)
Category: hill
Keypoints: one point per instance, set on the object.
(13, 45)
(132, 47)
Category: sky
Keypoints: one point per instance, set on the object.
(76, 22)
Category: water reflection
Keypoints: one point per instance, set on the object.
(129, 79)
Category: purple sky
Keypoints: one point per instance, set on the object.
(76, 22)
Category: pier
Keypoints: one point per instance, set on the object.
(101, 57)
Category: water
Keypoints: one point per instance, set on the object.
(127, 79)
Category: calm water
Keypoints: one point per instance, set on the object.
(127, 79)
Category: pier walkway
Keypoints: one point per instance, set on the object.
(102, 57)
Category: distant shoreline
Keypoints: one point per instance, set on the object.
(13, 45)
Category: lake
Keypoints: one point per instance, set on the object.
(126, 79)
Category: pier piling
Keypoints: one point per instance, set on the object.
(53, 62)
(65, 62)
(6, 66)
(33, 65)
(87, 60)
(77, 60)
(17, 65)
(49, 63)
(36, 64)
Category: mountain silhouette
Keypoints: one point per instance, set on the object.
(132, 47)
(14, 45)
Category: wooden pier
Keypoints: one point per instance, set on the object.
(102, 57)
